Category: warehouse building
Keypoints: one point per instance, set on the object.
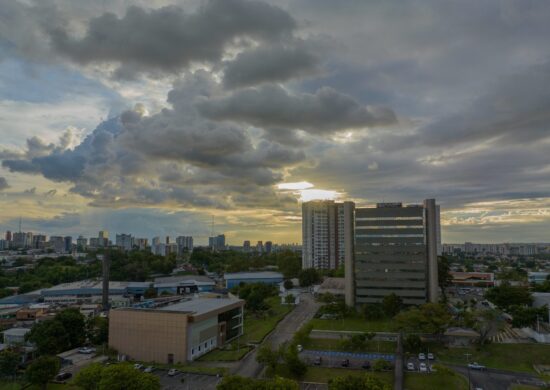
(176, 333)
(184, 284)
(268, 277)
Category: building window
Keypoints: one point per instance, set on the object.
(192, 351)
(170, 358)
(205, 345)
(199, 348)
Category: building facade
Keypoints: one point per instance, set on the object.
(326, 233)
(395, 252)
(185, 243)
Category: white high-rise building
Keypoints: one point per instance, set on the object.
(125, 241)
(184, 243)
(327, 233)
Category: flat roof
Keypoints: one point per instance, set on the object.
(17, 331)
(254, 275)
(96, 285)
(199, 306)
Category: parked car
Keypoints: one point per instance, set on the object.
(63, 376)
(138, 366)
(318, 360)
(421, 356)
(149, 369)
(476, 366)
(431, 356)
(410, 366)
(172, 372)
(423, 367)
(299, 348)
(345, 363)
(86, 350)
(366, 365)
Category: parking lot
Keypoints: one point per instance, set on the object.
(416, 363)
(190, 381)
(335, 358)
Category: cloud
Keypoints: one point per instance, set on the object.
(168, 38)
(3, 184)
(269, 106)
(270, 63)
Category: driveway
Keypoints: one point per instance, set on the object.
(492, 379)
(284, 331)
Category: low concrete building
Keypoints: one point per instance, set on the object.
(184, 284)
(460, 337)
(477, 279)
(268, 277)
(537, 277)
(334, 286)
(15, 336)
(176, 333)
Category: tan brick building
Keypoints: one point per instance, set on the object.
(176, 333)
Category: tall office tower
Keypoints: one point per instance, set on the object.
(8, 235)
(327, 234)
(260, 247)
(103, 238)
(246, 246)
(156, 241)
(268, 247)
(167, 240)
(217, 242)
(39, 241)
(185, 243)
(81, 243)
(68, 244)
(395, 252)
(125, 241)
(141, 243)
(19, 239)
(57, 243)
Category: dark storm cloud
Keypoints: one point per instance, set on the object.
(270, 63)
(325, 111)
(168, 38)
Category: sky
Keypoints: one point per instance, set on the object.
(182, 117)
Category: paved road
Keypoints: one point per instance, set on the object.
(185, 381)
(491, 379)
(283, 332)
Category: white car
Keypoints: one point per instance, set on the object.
(423, 367)
(149, 369)
(172, 372)
(410, 366)
(421, 356)
(299, 348)
(138, 366)
(86, 350)
(476, 366)
(431, 356)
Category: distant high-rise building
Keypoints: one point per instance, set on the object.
(57, 243)
(185, 244)
(327, 233)
(217, 242)
(68, 244)
(155, 241)
(8, 235)
(39, 241)
(395, 252)
(81, 243)
(167, 240)
(260, 247)
(103, 238)
(141, 243)
(22, 240)
(268, 247)
(94, 242)
(125, 241)
(4, 245)
(246, 246)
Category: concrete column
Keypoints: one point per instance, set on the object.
(349, 242)
(431, 248)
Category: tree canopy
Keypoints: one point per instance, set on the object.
(364, 382)
(42, 370)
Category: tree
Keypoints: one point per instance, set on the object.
(309, 277)
(488, 322)
(234, 382)
(373, 311)
(392, 304)
(50, 337)
(527, 316)
(42, 370)
(89, 377)
(428, 318)
(413, 343)
(98, 330)
(444, 275)
(507, 295)
(268, 357)
(74, 324)
(151, 292)
(381, 365)
(289, 264)
(365, 382)
(288, 284)
(9, 361)
(290, 299)
(123, 376)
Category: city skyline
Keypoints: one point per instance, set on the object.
(289, 101)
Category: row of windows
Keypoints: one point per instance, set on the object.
(389, 218)
(390, 243)
(388, 235)
(203, 346)
(388, 227)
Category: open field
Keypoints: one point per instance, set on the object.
(255, 329)
(323, 374)
(354, 323)
(336, 345)
(435, 381)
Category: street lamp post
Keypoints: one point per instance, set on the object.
(469, 378)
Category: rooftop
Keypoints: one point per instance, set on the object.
(199, 306)
(184, 278)
(17, 331)
(254, 275)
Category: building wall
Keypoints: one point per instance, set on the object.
(230, 283)
(395, 252)
(149, 335)
(202, 337)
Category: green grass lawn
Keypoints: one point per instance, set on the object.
(255, 329)
(514, 357)
(435, 381)
(354, 323)
(51, 386)
(323, 374)
(226, 355)
(336, 345)
(524, 387)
